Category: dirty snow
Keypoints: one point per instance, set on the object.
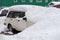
(46, 25)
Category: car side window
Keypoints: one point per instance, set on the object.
(4, 12)
(14, 14)
(10, 15)
(21, 14)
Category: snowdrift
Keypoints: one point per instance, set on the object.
(46, 25)
(2, 19)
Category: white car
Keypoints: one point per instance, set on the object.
(4, 11)
(16, 19)
(54, 4)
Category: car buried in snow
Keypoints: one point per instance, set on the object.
(54, 4)
(16, 19)
(4, 11)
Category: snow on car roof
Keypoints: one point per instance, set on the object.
(21, 7)
(56, 3)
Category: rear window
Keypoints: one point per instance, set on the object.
(14, 14)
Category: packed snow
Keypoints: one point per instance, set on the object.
(46, 25)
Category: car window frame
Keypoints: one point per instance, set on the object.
(15, 11)
(4, 10)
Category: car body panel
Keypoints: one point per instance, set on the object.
(18, 23)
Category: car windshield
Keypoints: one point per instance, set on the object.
(4, 12)
(14, 14)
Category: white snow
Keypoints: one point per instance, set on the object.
(2, 19)
(55, 3)
(46, 25)
(21, 7)
(2, 27)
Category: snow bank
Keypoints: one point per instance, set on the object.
(56, 3)
(46, 27)
(2, 19)
(40, 13)
(41, 31)
(21, 7)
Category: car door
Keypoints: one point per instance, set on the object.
(17, 20)
(11, 19)
(21, 24)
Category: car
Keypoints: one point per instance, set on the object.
(4, 11)
(54, 4)
(16, 21)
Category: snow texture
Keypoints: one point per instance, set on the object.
(46, 25)
(2, 19)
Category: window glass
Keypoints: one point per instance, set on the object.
(10, 15)
(4, 12)
(14, 14)
(21, 14)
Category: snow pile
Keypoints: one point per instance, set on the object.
(35, 14)
(2, 19)
(41, 13)
(41, 31)
(46, 27)
(21, 7)
(2, 27)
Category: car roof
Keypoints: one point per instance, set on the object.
(21, 7)
(55, 3)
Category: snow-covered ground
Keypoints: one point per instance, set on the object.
(2, 19)
(46, 25)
